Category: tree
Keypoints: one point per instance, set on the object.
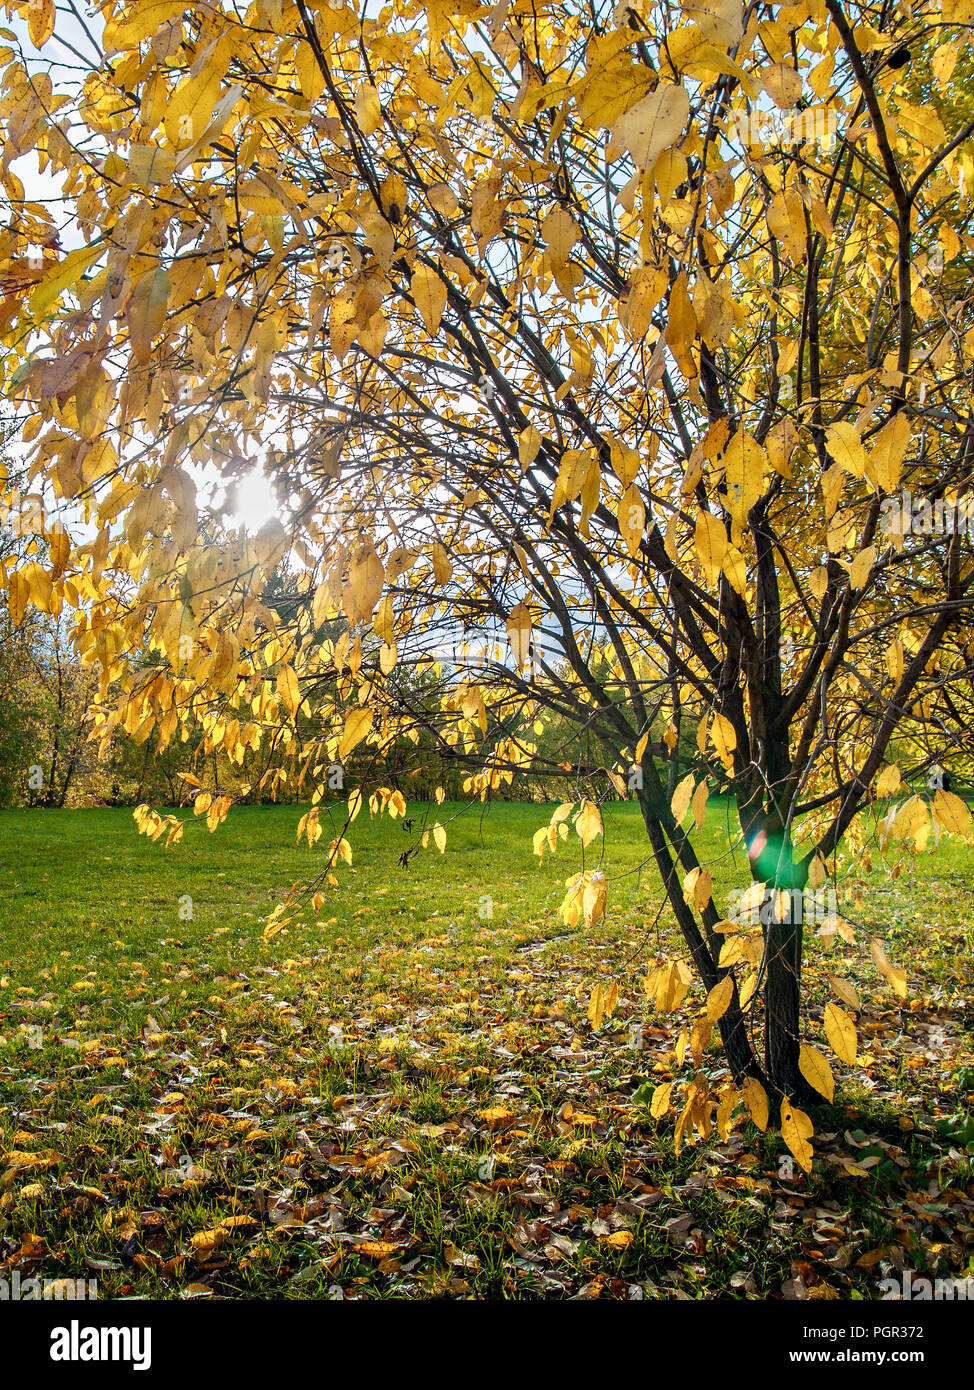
(608, 337)
(44, 694)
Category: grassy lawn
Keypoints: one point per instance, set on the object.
(403, 1097)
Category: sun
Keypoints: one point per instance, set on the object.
(251, 501)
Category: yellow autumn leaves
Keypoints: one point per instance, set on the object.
(585, 899)
(668, 986)
(40, 21)
(429, 293)
(742, 471)
(708, 1107)
(358, 723)
(32, 583)
(737, 472)
(587, 819)
(914, 819)
(652, 125)
(146, 312)
(587, 891)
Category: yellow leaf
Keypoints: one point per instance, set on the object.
(889, 781)
(951, 812)
(888, 452)
(815, 1069)
(646, 288)
(611, 1004)
(442, 568)
(206, 1243)
(59, 543)
(39, 582)
(796, 1130)
(133, 23)
(735, 570)
(895, 976)
(710, 542)
(745, 468)
(528, 445)
(660, 1102)
(818, 582)
(682, 327)
(719, 998)
(724, 739)
(943, 62)
(288, 688)
(189, 109)
(236, 1223)
(910, 818)
(680, 801)
(357, 725)
(653, 124)
(720, 21)
(443, 199)
(698, 888)
(786, 222)
(845, 446)
(376, 1249)
(146, 312)
(596, 1008)
(560, 234)
(846, 992)
(364, 587)
(18, 593)
(862, 567)
(632, 518)
(439, 837)
(756, 1100)
(816, 872)
(618, 1240)
(60, 277)
(368, 109)
(429, 295)
(519, 634)
(669, 985)
(589, 822)
(594, 899)
(40, 21)
(151, 164)
(921, 123)
(841, 1033)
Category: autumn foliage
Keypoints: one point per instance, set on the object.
(610, 338)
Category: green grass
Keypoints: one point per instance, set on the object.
(403, 1097)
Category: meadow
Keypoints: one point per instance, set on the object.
(404, 1095)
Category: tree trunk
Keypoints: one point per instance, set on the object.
(772, 861)
(65, 785)
(782, 1007)
(740, 1054)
